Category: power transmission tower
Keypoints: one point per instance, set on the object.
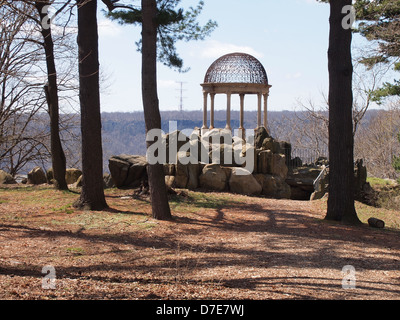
(181, 97)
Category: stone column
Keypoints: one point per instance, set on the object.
(212, 95)
(205, 94)
(259, 110)
(228, 111)
(265, 110)
(242, 133)
(241, 110)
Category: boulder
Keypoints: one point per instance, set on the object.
(174, 140)
(127, 170)
(295, 162)
(169, 169)
(279, 167)
(217, 136)
(193, 176)
(301, 181)
(260, 134)
(243, 182)
(72, 175)
(286, 149)
(283, 189)
(78, 182)
(213, 177)
(268, 144)
(222, 154)
(322, 161)
(360, 177)
(303, 177)
(50, 176)
(181, 175)
(273, 186)
(268, 184)
(199, 150)
(170, 182)
(108, 181)
(37, 176)
(265, 162)
(6, 178)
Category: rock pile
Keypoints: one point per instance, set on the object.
(6, 178)
(219, 164)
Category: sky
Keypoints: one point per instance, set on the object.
(289, 37)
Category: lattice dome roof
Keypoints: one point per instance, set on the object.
(236, 68)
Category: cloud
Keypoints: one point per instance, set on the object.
(107, 28)
(215, 49)
(312, 2)
(291, 76)
(167, 84)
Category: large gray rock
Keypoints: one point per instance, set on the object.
(78, 182)
(265, 162)
(169, 169)
(107, 181)
(271, 144)
(301, 181)
(218, 136)
(279, 167)
(260, 134)
(273, 186)
(243, 182)
(127, 170)
(181, 175)
(193, 176)
(174, 141)
(72, 175)
(213, 177)
(37, 176)
(223, 154)
(50, 175)
(6, 178)
(170, 182)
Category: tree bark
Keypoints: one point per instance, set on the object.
(92, 194)
(158, 193)
(51, 90)
(341, 142)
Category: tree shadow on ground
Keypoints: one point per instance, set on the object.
(275, 238)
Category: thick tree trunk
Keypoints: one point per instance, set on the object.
(92, 195)
(158, 193)
(51, 90)
(341, 158)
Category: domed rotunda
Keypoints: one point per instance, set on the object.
(236, 73)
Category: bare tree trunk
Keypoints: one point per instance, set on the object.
(92, 195)
(341, 141)
(51, 89)
(158, 193)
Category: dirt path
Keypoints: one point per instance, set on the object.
(254, 248)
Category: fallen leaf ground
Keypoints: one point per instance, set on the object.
(219, 246)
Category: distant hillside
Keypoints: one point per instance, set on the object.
(125, 132)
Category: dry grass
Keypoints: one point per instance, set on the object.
(218, 247)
